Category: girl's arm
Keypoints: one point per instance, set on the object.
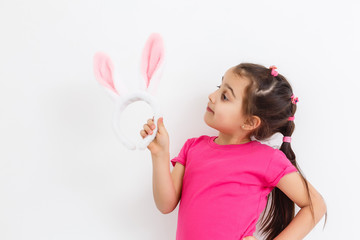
(166, 186)
(293, 186)
(164, 191)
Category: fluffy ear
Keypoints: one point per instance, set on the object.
(104, 71)
(152, 59)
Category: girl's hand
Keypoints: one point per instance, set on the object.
(160, 144)
(249, 238)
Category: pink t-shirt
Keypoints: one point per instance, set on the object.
(225, 187)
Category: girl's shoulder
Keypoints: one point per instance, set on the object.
(265, 149)
(199, 141)
(196, 140)
(199, 138)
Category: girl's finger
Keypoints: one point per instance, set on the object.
(151, 124)
(147, 129)
(143, 134)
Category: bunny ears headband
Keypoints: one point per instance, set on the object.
(150, 72)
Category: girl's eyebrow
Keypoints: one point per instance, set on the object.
(227, 85)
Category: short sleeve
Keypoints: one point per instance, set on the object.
(182, 156)
(279, 166)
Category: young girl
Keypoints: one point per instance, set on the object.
(224, 182)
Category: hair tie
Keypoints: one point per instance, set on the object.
(294, 99)
(291, 118)
(273, 71)
(287, 139)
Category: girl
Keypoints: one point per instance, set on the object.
(226, 181)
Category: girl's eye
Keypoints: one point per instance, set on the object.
(225, 98)
(223, 94)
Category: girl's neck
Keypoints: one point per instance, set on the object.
(223, 139)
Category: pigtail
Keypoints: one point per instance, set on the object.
(277, 218)
(282, 208)
(285, 147)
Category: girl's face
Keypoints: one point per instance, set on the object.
(226, 105)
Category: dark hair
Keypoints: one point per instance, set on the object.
(269, 98)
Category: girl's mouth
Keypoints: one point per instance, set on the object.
(208, 109)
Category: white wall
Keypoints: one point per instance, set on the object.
(63, 172)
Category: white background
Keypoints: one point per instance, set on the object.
(64, 173)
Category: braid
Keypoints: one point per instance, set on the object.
(287, 130)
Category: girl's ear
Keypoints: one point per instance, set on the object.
(152, 60)
(104, 71)
(253, 122)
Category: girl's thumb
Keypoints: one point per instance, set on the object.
(161, 123)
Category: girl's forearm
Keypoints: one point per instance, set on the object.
(163, 187)
(303, 222)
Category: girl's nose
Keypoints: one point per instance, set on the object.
(211, 97)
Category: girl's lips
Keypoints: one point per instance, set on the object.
(209, 109)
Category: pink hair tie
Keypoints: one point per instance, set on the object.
(273, 71)
(287, 139)
(294, 99)
(291, 118)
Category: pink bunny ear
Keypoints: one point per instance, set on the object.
(104, 71)
(152, 57)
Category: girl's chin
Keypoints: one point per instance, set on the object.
(206, 120)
